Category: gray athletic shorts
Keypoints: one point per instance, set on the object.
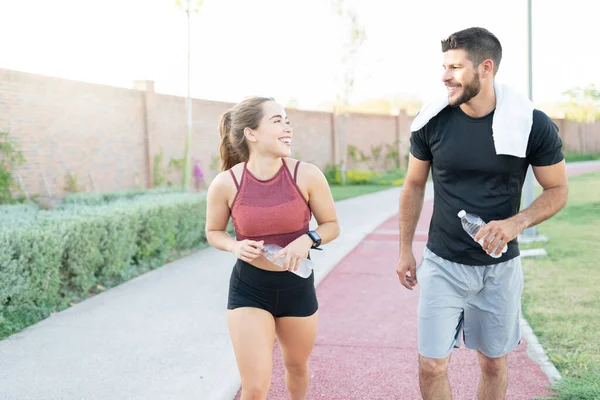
(484, 302)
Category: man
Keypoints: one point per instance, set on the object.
(462, 288)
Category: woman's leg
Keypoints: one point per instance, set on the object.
(297, 337)
(252, 332)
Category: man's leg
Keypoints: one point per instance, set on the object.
(492, 324)
(433, 378)
(442, 297)
(494, 377)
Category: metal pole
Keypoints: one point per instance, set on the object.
(188, 135)
(23, 186)
(529, 51)
(50, 196)
(529, 189)
(92, 182)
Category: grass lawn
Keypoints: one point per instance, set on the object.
(561, 299)
(574, 157)
(344, 192)
(374, 183)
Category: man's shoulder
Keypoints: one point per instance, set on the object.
(541, 119)
(431, 125)
(542, 124)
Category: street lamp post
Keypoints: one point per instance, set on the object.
(187, 176)
(190, 6)
(530, 234)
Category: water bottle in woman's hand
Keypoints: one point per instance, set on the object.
(304, 269)
(472, 223)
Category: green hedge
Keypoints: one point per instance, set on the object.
(93, 198)
(51, 258)
(364, 177)
(29, 273)
(17, 213)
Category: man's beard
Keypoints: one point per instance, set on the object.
(469, 90)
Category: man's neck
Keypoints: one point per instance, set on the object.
(482, 104)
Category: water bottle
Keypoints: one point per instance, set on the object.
(471, 223)
(304, 269)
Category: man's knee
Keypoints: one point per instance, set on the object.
(431, 368)
(492, 367)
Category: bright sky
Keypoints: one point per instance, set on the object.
(292, 48)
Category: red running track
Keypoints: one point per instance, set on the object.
(367, 342)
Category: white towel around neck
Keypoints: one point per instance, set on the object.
(511, 124)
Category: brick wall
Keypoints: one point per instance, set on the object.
(64, 126)
(370, 134)
(313, 141)
(109, 137)
(579, 138)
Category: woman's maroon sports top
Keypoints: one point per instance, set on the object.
(273, 210)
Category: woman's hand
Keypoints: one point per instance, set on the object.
(295, 252)
(247, 250)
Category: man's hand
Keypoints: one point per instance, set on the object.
(407, 270)
(496, 234)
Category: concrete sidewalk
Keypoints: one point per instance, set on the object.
(162, 335)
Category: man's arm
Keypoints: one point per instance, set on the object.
(411, 200)
(553, 179)
(411, 204)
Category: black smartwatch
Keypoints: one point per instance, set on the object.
(315, 238)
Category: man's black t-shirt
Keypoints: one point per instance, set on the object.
(468, 175)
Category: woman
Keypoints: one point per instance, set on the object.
(270, 198)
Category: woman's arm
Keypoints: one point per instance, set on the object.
(321, 203)
(217, 217)
(320, 200)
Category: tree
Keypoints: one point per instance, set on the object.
(292, 103)
(356, 37)
(10, 158)
(189, 7)
(584, 104)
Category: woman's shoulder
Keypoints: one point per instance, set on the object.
(223, 180)
(304, 168)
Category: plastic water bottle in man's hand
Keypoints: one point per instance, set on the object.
(472, 223)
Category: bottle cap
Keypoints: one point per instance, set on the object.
(462, 213)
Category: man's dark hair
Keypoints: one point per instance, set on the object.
(479, 43)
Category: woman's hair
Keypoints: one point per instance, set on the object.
(246, 114)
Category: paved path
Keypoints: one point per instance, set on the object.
(367, 342)
(163, 335)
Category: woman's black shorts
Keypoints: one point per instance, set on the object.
(283, 294)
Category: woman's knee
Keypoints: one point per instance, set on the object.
(296, 368)
(256, 389)
(433, 367)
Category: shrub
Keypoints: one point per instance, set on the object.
(94, 198)
(51, 258)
